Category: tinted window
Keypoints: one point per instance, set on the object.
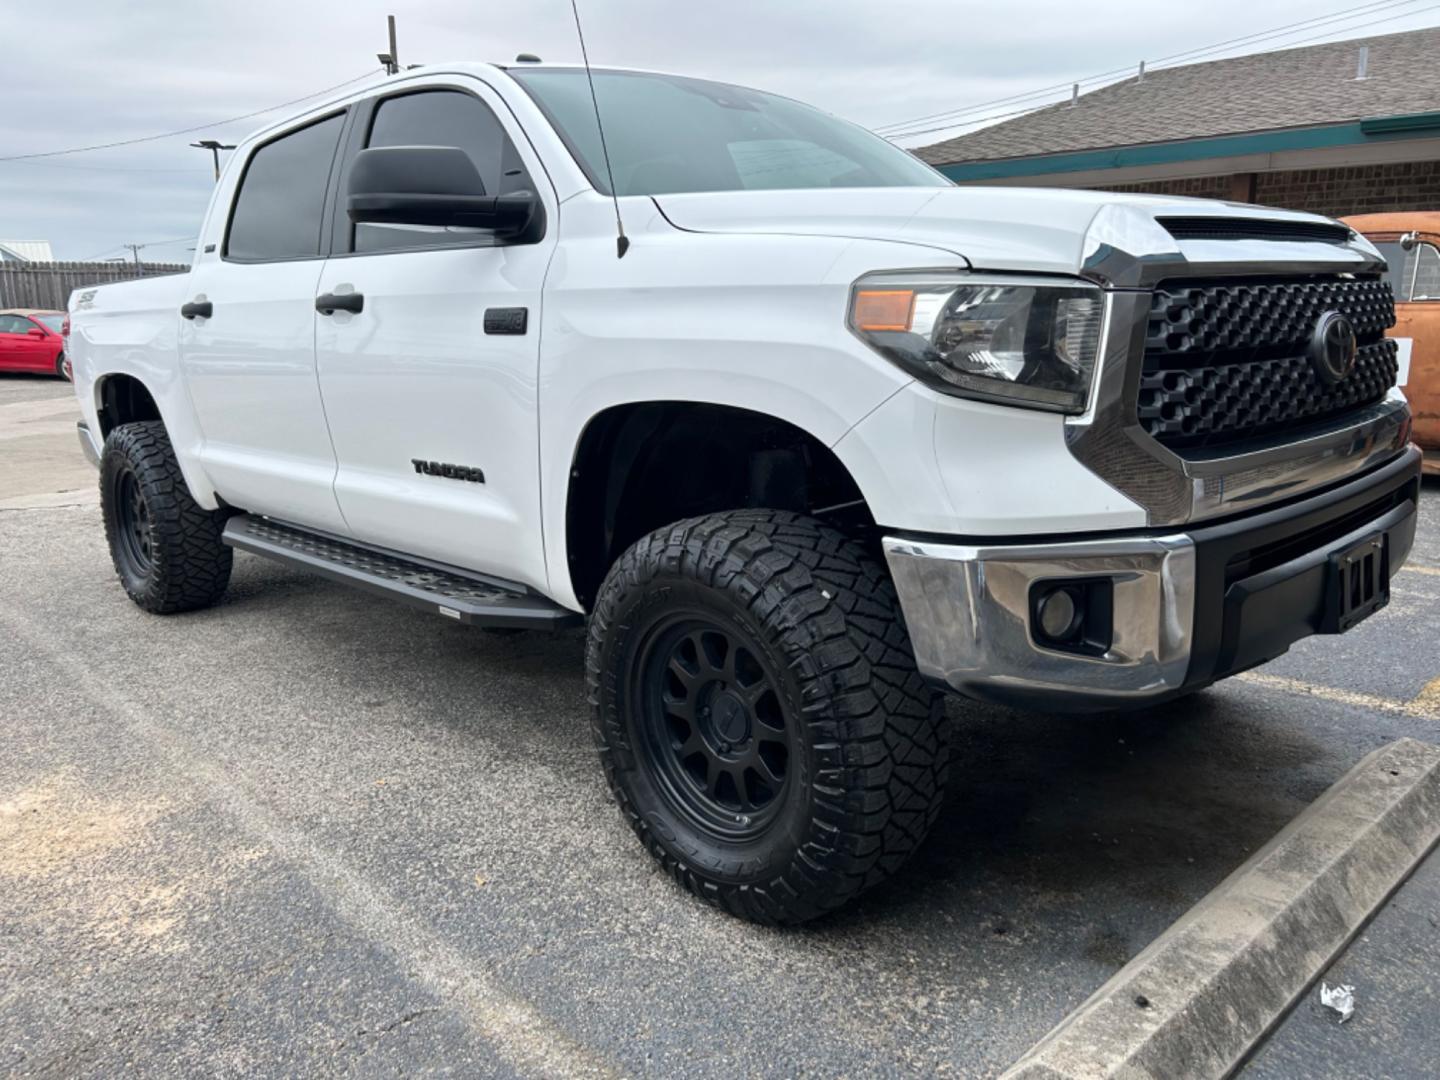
(1427, 273)
(443, 118)
(1413, 274)
(1399, 265)
(278, 211)
(670, 134)
(13, 324)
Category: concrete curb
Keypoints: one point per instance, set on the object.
(1204, 992)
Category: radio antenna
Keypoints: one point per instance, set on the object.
(622, 242)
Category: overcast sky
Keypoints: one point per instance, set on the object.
(88, 71)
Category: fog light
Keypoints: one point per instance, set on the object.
(1073, 616)
(1060, 616)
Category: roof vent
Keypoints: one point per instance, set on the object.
(1362, 63)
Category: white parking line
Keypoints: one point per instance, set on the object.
(1425, 706)
(517, 1029)
(1432, 571)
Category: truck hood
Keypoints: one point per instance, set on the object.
(1037, 230)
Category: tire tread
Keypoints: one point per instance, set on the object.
(877, 731)
(192, 563)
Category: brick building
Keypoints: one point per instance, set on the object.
(1344, 128)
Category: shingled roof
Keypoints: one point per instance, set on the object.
(1291, 88)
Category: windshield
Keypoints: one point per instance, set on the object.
(668, 134)
(52, 323)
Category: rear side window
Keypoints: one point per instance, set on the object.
(282, 195)
(443, 118)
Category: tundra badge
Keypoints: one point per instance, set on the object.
(452, 472)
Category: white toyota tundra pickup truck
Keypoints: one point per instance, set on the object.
(815, 438)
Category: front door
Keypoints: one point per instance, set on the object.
(1415, 277)
(430, 386)
(1418, 318)
(21, 350)
(247, 339)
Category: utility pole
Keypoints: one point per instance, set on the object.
(391, 60)
(134, 249)
(214, 146)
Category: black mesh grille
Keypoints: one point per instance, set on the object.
(1226, 361)
(1190, 406)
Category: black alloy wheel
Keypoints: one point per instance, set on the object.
(133, 532)
(715, 736)
(758, 713)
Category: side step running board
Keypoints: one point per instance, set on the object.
(457, 594)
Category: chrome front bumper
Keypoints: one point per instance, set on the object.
(1185, 608)
(968, 613)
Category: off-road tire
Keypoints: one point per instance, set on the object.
(871, 746)
(173, 559)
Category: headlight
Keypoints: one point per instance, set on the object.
(1014, 340)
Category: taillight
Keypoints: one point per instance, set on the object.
(65, 329)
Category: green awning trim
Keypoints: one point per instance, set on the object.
(1419, 121)
(1314, 138)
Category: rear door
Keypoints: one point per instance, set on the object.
(432, 407)
(249, 356)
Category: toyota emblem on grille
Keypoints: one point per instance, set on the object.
(1333, 349)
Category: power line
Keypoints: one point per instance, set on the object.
(1365, 9)
(136, 247)
(1051, 104)
(104, 168)
(1377, 22)
(891, 130)
(186, 131)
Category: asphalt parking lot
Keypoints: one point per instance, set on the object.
(311, 832)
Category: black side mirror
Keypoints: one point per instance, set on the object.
(436, 185)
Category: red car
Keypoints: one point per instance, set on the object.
(33, 341)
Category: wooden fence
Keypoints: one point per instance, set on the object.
(48, 284)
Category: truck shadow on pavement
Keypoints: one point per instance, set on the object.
(1093, 832)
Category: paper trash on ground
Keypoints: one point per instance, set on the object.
(1341, 999)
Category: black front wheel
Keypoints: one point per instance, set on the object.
(166, 548)
(758, 712)
(714, 730)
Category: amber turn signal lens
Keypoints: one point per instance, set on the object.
(883, 309)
